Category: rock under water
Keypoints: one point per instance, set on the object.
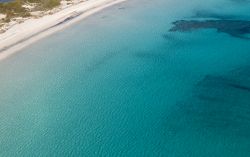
(219, 103)
(235, 28)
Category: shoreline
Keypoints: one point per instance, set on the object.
(32, 30)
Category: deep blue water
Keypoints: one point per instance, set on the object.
(119, 83)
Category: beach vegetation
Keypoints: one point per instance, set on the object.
(17, 8)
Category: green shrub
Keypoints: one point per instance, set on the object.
(15, 9)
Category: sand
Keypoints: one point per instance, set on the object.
(21, 35)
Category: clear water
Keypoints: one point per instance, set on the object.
(120, 84)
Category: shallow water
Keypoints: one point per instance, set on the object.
(121, 84)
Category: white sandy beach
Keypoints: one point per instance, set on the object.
(31, 30)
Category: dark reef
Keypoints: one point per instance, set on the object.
(207, 14)
(235, 28)
(219, 103)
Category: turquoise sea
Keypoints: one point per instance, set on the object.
(127, 81)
